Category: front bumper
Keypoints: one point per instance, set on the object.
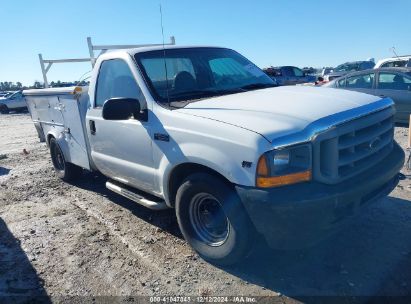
(299, 215)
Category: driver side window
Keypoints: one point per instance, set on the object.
(115, 80)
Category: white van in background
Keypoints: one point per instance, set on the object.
(394, 62)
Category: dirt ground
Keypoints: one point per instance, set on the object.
(59, 240)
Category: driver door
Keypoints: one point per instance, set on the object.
(120, 149)
(18, 101)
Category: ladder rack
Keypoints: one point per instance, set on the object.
(92, 58)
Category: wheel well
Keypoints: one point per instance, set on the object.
(49, 137)
(180, 172)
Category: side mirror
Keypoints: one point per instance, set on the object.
(121, 108)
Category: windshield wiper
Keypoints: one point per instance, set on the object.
(256, 86)
(198, 94)
(189, 93)
(206, 93)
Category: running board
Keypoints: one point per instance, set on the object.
(123, 191)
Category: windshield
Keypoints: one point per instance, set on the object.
(13, 95)
(395, 64)
(347, 67)
(194, 73)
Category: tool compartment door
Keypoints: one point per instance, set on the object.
(74, 135)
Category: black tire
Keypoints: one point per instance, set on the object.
(4, 109)
(219, 200)
(66, 171)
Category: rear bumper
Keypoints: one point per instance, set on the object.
(299, 215)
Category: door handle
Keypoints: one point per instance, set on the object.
(382, 95)
(92, 125)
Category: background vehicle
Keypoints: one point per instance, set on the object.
(326, 71)
(207, 134)
(310, 71)
(14, 102)
(394, 62)
(288, 75)
(348, 67)
(384, 82)
(5, 94)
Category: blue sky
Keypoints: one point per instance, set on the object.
(269, 32)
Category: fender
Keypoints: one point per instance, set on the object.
(61, 141)
(215, 159)
(213, 144)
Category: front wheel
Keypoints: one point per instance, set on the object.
(66, 171)
(212, 219)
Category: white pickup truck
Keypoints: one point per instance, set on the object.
(202, 130)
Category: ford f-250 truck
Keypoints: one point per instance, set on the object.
(202, 130)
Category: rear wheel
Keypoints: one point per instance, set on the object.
(4, 109)
(213, 220)
(66, 171)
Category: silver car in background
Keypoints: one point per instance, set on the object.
(14, 102)
(349, 67)
(384, 82)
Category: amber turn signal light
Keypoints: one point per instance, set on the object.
(262, 168)
(275, 181)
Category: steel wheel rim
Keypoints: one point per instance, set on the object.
(208, 219)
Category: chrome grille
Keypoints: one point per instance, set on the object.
(349, 149)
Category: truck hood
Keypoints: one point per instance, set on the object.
(279, 111)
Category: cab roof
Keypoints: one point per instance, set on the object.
(143, 49)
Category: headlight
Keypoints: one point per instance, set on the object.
(284, 166)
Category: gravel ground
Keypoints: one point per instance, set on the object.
(59, 240)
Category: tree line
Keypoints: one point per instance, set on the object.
(11, 86)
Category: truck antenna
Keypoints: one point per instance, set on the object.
(164, 54)
(392, 49)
